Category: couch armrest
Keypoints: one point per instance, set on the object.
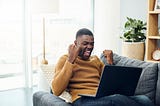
(42, 98)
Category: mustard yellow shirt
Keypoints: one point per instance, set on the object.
(81, 77)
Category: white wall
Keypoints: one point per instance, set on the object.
(110, 16)
(106, 25)
(134, 9)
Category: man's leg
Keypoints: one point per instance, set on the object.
(113, 100)
(89, 101)
(143, 100)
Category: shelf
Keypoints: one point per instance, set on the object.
(153, 61)
(154, 12)
(154, 37)
(152, 29)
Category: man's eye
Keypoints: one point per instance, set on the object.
(92, 44)
(85, 43)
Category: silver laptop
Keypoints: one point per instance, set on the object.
(117, 80)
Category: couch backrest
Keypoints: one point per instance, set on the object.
(148, 80)
(158, 87)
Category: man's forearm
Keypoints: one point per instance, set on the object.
(61, 78)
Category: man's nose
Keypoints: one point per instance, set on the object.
(89, 46)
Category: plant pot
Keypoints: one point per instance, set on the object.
(134, 50)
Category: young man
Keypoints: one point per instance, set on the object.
(79, 73)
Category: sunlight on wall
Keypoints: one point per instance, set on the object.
(106, 27)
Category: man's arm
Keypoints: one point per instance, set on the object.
(63, 73)
(64, 70)
(109, 56)
(73, 52)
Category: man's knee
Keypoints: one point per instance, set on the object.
(116, 96)
(142, 99)
(120, 100)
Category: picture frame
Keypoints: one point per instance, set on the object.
(157, 5)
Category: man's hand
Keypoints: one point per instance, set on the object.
(109, 56)
(73, 52)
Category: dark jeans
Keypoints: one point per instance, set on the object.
(114, 100)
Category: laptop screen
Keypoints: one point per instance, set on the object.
(118, 80)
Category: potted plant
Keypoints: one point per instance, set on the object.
(133, 45)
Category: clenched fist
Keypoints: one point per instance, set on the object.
(73, 52)
(109, 56)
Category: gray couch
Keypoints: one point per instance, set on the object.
(149, 83)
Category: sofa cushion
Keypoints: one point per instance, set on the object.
(158, 87)
(147, 82)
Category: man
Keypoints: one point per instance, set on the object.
(79, 73)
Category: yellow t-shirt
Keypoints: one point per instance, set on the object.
(81, 77)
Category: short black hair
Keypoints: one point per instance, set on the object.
(83, 31)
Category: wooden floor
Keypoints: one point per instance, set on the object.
(17, 97)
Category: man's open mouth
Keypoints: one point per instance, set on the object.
(87, 53)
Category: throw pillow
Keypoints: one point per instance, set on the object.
(48, 71)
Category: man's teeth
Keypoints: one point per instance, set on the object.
(87, 52)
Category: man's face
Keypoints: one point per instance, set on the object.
(86, 44)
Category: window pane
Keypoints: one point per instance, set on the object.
(11, 34)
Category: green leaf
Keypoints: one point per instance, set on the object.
(134, 30)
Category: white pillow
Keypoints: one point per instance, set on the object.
(48, 72)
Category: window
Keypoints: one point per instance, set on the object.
(11, 44)
(60, 28)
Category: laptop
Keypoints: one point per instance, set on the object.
(117, 80)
